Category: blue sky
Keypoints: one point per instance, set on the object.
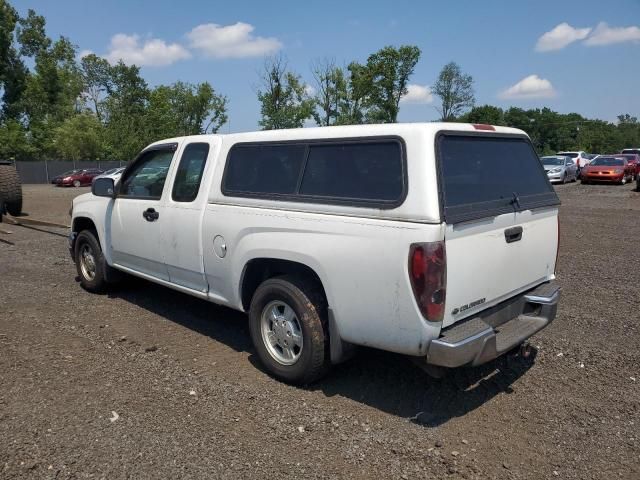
(591, 65)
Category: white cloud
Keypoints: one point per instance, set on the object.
(231, 41)
(561, 36)
(84, 53)
(309, 90)
(152, 52)
(603, 34)
(529, 87)
(417, 94)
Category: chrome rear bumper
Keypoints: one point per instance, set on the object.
(496, 330)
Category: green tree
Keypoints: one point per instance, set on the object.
(14, 142)
(352, 108)
(125, 112)
(96, 78)
(185, 109)
(79, 137)
(485, 114)
(388, 71)
(13, 73)
(331, 92)
(455, 90)
(284, 101)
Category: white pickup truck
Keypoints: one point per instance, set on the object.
(434, 240)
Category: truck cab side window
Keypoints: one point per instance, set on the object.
(189, 174)
(146, 179)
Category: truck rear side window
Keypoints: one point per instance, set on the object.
(362, 171)
(189, 173)
(484, 176)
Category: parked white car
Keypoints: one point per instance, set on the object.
(580, 157)
(399, 237)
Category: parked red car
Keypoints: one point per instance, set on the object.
(608, 168)
(634, 160)
(76, 178)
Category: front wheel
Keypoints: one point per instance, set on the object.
(90, 262)
(288, 326)
(76, 183)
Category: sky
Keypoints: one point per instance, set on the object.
(572, 55)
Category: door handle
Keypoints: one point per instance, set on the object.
(150, 215)
(513, 234)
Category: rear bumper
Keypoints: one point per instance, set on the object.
(496, 330)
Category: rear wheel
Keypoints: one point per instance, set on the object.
(288, 326)
(11, 189)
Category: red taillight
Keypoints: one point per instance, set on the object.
(428, 276)
(484, 126)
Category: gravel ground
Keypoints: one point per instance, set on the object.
(147, 382)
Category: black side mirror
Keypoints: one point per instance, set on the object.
(104, 187)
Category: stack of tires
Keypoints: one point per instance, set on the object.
(10, 190)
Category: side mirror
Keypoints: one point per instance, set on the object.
(104, 187)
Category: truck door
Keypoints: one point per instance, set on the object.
(137, 218)
(184, 210)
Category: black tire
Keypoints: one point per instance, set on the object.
(11, 189)
(564, 179)
(96, 284)
(307, 300)
(584, 182)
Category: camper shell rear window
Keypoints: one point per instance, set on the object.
(484, 175)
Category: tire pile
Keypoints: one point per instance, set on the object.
(10, 190)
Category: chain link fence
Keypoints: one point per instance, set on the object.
(44, 170)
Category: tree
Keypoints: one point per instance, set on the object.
(388, 71)
(184, 109)
(352, 108)
(79, 137)
(331, 92)
(284, 101)
(455, 90)
(124, 112)
(485, 114)
(13, 72)
(96, 77)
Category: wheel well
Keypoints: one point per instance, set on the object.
(83, 223)
(258, 270)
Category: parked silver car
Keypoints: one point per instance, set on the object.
(560, 168)
(114, 173)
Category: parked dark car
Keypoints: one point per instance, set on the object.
(634, 160)
(76, 178)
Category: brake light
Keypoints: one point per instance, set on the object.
(428, 276)
(484, 126)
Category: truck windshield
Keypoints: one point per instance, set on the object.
(484, 176)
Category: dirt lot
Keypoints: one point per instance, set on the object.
(147, 382)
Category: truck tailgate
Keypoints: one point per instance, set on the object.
(501, 214)
(487, 264)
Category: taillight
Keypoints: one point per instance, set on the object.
(428, 276)
(555, 268)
